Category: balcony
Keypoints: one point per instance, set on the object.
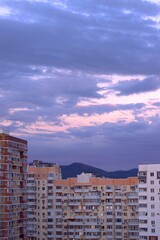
(23, 215)
(4, 185)
(92, 203)
(96, 197)
(73, 203)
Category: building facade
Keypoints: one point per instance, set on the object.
(87, 207)
(149, 201)
(13, 195)
(40, 200)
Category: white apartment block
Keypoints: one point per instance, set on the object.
(94, 208)
(40, 200)
(88, 207)
(149, 201)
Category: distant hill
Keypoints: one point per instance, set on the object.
(73, 169)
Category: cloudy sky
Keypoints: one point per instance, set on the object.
(80, 80)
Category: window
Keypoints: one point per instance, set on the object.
(50, 181)
(142, 197)
(152, 189)
(143, 221)
(142, 189)
(158, 175)
(143, 205)
(142, 173)
(152, 182)
(152, 174)
(50, 174)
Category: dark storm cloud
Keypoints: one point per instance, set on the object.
(137, 86)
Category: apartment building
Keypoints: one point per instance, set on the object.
(149, 201)
(40, 200)
(94, 208)
(13, 174)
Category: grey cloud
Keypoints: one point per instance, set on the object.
(106, 108)
(143, 7)
(108, 146)
(88, 37)
(99, 42)
(157, 104)
(41, 95)
(54, 94)
(137, 86)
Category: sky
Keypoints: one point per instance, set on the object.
(80, 80)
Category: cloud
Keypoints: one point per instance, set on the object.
(59, 70)
(4, 11)
(156, 104)
(109, 146)
(83, 36)
(137, 86)
(44, 92)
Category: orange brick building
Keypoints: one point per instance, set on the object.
(13, 176)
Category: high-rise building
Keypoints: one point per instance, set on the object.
(149, 201)
(88, 207)
(13, 174)
(41, 201)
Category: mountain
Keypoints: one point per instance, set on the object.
(74, 169)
